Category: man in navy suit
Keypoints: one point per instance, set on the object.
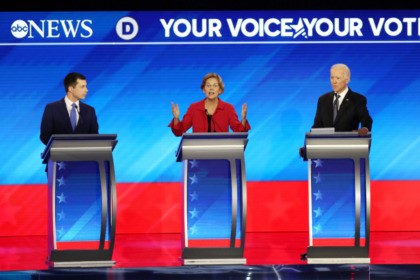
(56, 117)
(352, 113)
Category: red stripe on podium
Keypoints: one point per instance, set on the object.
(337, 242)
(212, 243)
(85, 245)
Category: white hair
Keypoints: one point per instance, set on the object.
(342, 66)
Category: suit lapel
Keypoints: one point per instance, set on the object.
(345, 104)
(330, 109)
(65, 115)
(82, 115)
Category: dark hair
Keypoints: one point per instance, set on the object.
(71, 80)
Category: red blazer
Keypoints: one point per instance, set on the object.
(223, 118)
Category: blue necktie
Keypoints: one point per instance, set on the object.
(73, 118)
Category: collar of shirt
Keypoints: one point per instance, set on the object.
(220, 104)
(68, 104)
(69, 107)
(342, 96)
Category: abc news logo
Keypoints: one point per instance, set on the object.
(126, 28)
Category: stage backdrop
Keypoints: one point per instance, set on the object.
(277, 62)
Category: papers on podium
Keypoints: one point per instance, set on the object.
(323, 130)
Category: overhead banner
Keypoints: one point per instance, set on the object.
(210, 27)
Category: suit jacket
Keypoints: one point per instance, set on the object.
(56, 120)
(223, 118)
(352, 112)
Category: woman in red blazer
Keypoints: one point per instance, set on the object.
(210, 114)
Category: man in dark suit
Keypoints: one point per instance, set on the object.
(352, 106)
(343, 109)
(57, 115)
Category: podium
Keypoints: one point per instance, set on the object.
(339, 197)
(214, 198)
(81, 200)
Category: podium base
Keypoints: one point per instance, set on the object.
(338, 254)
(213, 261)
(338, 260)
(81, 264)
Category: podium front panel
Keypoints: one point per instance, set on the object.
(339, 198)
(333, 203)
(213, 212)
(81, 200)
(77, 221)
(214, 194)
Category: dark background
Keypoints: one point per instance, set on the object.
(156, 5)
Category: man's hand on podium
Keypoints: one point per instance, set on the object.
(363, 131)
(302, 153)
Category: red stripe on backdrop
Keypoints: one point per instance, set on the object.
(156, 207)
(23, 210)
(149, 208)
(277, 206)
(395, 205)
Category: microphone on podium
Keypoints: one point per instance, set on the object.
(78, 112)
(210, 121)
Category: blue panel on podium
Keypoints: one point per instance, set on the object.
(339, 197)
(81, 200)
(210, 196)
(78, 202)
(333, 198)
(214, 197)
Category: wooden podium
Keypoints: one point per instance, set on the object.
(81, 200)
(214, 198)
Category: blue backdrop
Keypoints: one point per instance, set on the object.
(278, 70)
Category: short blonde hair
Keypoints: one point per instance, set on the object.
(217, 77)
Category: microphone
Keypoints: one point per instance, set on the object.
(210, 121)
(80, 116)
(214, 125)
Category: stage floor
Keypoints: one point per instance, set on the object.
(394, 255)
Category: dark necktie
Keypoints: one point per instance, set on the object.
(335, 106)
(73, 118)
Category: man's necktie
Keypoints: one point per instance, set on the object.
(335, 106)
(73, 117)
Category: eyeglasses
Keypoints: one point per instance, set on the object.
(212, 85)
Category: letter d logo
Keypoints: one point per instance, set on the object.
(127, 28)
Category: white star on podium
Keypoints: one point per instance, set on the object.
(318, 163)
(194, 213)
(318, 212)
(61, 198)
(61, 181)
(194, 179)
(194, 163)
(194, 196)
(318, 195)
